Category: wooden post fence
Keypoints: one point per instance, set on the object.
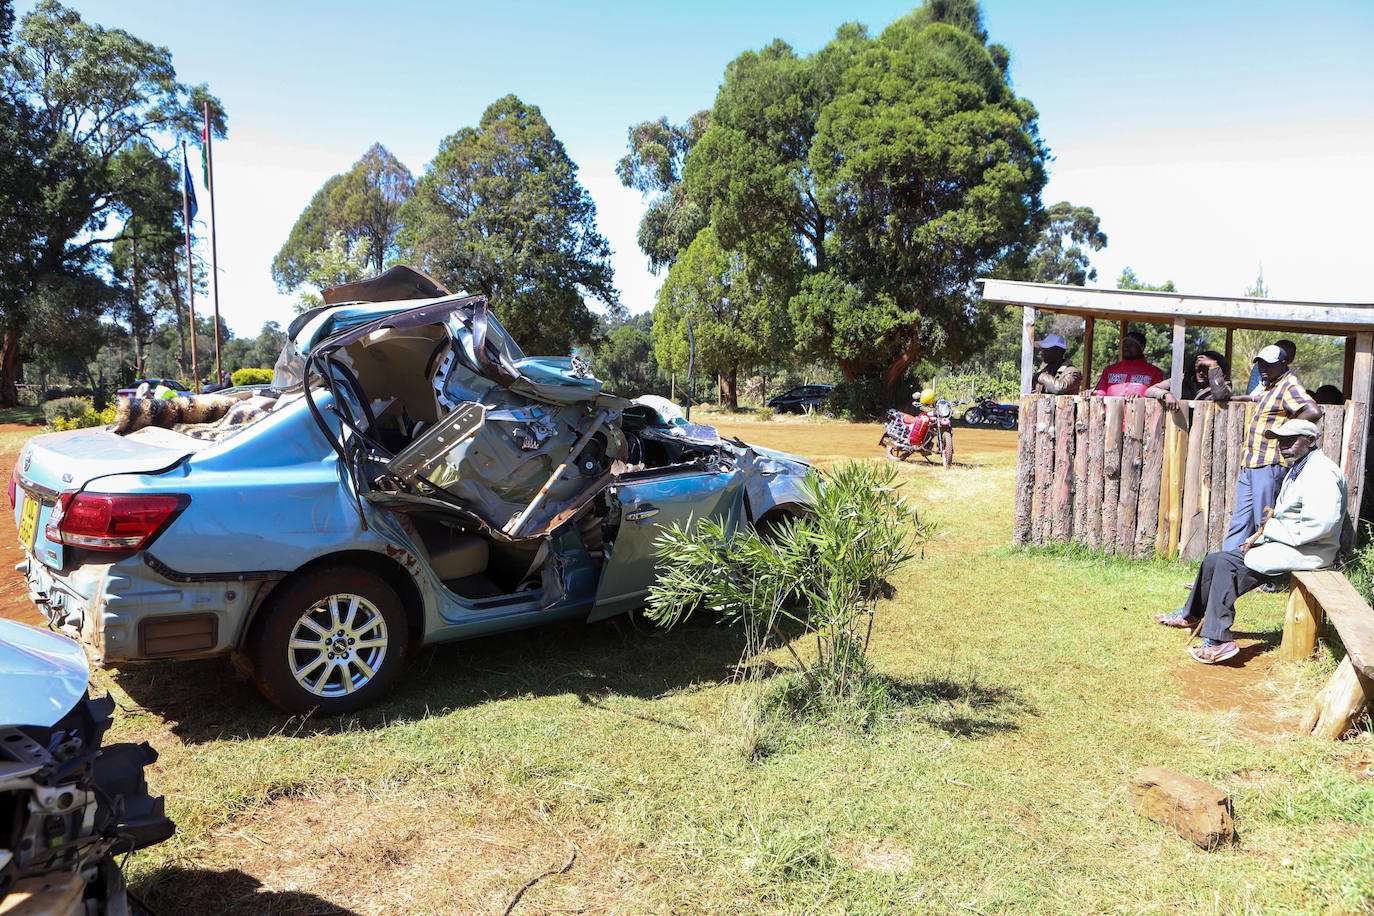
(1135, 478)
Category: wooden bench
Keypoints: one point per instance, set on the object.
(1325, 595)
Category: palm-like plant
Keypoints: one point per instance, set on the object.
(822, 573)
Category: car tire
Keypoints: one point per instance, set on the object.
(331, 642)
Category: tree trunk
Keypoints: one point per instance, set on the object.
(729, 388)
(897, 369)
(11, 367)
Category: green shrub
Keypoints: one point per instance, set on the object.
(965, 384)
(860, 399)
(87, 418)
(822, 573)
(251, 377)
(65, 409)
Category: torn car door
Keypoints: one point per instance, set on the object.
(646, 505)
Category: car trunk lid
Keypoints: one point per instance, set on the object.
(58, 462)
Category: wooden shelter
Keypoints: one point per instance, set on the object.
(1130, 476)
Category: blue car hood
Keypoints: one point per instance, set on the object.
(42, 675)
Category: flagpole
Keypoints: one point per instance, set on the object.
(190, 279)
(214, 252)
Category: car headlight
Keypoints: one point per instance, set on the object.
(943, 408)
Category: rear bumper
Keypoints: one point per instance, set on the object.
(127, 611)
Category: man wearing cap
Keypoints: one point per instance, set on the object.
(1132, 376)
(1281, 397)
(1057, 376)
(1304, 532)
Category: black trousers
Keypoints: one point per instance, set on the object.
(1221, 579)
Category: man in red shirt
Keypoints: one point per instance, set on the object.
(1133, 375)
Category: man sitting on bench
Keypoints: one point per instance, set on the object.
(1304, 532)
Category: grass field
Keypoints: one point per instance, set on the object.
(617, 757)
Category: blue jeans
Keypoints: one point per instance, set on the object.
(1256, 489)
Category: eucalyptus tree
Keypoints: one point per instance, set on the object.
(361, 205)
(500, 212)
(653, 166)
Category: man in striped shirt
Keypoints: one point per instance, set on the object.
(1281, 397)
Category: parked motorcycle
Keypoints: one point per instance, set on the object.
(990, 412)
(70, 807)
(928, 432)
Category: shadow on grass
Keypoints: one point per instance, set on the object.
(221, 893)
(27, 416)
(961, 707)
(207, 700)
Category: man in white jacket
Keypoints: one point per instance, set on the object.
(1304, 532)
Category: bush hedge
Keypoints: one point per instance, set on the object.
(65, 409)
(251, 377)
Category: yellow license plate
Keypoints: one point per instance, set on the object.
(28, 521)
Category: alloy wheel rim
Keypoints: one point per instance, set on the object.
(337, 646)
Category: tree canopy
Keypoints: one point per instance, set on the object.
(77, 103)
(500, 212)
(734, 308)
(894, 169)
(653, 166)
(1058, 256)
(362, 204)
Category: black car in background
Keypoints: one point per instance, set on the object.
(801, 398)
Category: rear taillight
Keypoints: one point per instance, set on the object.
(112, 521)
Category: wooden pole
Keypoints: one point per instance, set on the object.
(1023, 522)
(1178, 459)
(1153, 476)
(1114, 413)
(1362, 368)
(1044, 468)
(1230, 346)
(1348, 371)
(1081, 447)
(1092, 503)
(1192, 539)
(1120, 338)
(1176, 367)
(1061, 521)
(1333, 427)
(1129, 496)
(1088, 378)
(1027, 349)
(1217, 519)
(1302, 624)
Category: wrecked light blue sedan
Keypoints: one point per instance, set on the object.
(409, 477)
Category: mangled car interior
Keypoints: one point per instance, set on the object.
(502, 491)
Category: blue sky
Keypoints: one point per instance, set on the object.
(1210, 136)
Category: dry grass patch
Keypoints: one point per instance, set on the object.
(378, 854)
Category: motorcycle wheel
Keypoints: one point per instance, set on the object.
(897, 453)
(946, 448)
(973, 416)
(1006, 421)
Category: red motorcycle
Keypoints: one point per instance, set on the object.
(928, 432)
